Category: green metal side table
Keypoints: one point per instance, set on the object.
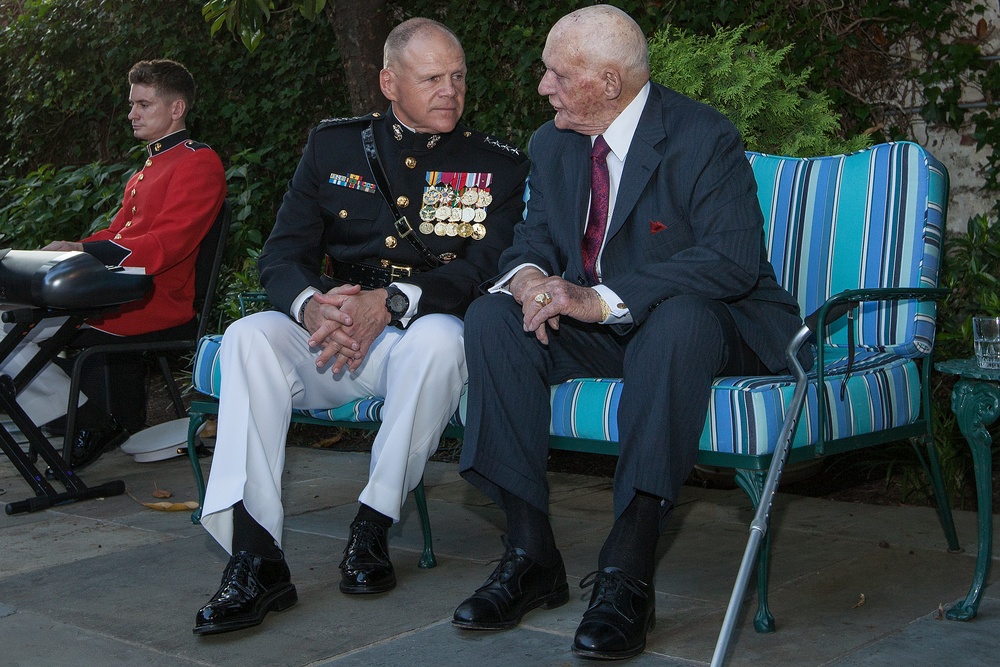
(975, 400)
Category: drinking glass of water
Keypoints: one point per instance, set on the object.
(986, 336)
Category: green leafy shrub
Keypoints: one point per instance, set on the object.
(969, 269)
(773, 109)
(66, 204)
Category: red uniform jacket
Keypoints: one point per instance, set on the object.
(168, 207)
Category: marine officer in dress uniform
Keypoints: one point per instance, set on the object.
(390, 224)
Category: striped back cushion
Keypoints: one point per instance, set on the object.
(207, 375)
(869, 219)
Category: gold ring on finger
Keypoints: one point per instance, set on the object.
(543, 299)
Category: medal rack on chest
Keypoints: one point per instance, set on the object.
(454, 204)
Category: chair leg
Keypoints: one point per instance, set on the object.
(927, 453)
(752, 483)
(194, 423)
(427, 559)
(175, 394)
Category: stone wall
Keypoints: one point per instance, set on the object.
(957, 149)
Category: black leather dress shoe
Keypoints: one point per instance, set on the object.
(517, 585)
(366, 567)
(621, 611)
(251, 586)
(89, 444)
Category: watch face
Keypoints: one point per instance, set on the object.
(397, 304)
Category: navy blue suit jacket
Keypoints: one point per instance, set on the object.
(686, 220)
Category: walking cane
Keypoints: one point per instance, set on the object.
(759, 525)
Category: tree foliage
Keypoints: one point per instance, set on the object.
(773, 108)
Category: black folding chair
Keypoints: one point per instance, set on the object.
(207, 267)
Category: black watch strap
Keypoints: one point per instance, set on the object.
(396, 302)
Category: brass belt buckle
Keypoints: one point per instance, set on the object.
(396, 271)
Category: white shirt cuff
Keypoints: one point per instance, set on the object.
(502, 284)
(296, 310)
(619, 312)
(412, 293)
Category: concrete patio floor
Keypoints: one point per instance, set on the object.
(111, 582)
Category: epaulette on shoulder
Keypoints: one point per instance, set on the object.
(496, 145)
(195, 145)
(334, 122)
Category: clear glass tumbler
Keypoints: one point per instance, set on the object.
(986, 337)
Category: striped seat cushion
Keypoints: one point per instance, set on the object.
(207, 378)
(745, 413)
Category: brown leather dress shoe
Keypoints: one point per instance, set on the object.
(366, 567)
(251, 586)
(621, 611)
(517, 585)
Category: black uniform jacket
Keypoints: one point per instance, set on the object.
(464, 188)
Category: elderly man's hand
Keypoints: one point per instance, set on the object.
(544, 299)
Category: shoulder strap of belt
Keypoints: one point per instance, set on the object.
(401, 224)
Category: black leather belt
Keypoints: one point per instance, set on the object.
(368, 276)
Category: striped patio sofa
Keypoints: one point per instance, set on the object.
(865, 227)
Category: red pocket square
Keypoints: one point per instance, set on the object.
(656, 226)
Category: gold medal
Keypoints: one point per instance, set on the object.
(431, 196)
(480, 214)
(470, 196)
(443, 213)
(456, 214)
(426, 228)
(441, 229)
(478, 231)
(452, 229)
(427, 213)
(465, 230)
(468, 214)
(485, 199)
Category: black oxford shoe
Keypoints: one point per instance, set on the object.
(89, 444)
(621, 611)
(251, 586)
(366, 567)
(517, 585)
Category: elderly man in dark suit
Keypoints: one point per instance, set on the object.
(642, 256)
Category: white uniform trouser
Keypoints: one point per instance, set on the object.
(268, 369)
(47, 395)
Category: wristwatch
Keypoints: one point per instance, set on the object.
(397, 303)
